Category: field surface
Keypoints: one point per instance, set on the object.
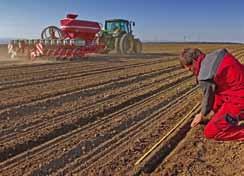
(98, 116)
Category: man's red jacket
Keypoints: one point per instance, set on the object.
(221, 78)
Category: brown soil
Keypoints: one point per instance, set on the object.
(96, 116)
(196, 155)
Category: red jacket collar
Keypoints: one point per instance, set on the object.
(197, 64)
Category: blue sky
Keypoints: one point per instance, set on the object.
(156, 20)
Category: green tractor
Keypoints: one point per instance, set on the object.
(118, 36)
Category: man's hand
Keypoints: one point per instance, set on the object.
(198, 118)
(211, 114)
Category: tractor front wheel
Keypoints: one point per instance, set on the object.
(126, 44)
(137, 46)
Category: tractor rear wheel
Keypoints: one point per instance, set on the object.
(126, 44)
(137, 46)
(116, 45)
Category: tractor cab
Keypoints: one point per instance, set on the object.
(118, 36)
(119, 25)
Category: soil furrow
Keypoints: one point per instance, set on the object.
(73, 120)
(99, 95)
(42, 91)
(153, 99)
(49, 76)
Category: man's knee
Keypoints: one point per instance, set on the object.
(210, 131)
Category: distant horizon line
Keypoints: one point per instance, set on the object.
(5, 40)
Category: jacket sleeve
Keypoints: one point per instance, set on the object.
(208, 88)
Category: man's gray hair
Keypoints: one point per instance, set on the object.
(189, 55)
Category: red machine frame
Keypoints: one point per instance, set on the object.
(75, 39)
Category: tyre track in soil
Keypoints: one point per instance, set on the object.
(16, 79)
(8, 71)
(89, 97)
(32, 93)
(53, 71)
(39, 81)
(121, 160)
(127, 93)
(77, 170)
(69, 140)
(57, 66)
(87, 60)
(36, 68)
(63, 74)
(33, 65)
(108, 153)
(72, 117)
(9, 77)
(37, 106)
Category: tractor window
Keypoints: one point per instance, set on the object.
(124, 27)
(112, 26)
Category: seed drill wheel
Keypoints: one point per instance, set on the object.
(51, 32)
(137, 46)
(126, 44)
